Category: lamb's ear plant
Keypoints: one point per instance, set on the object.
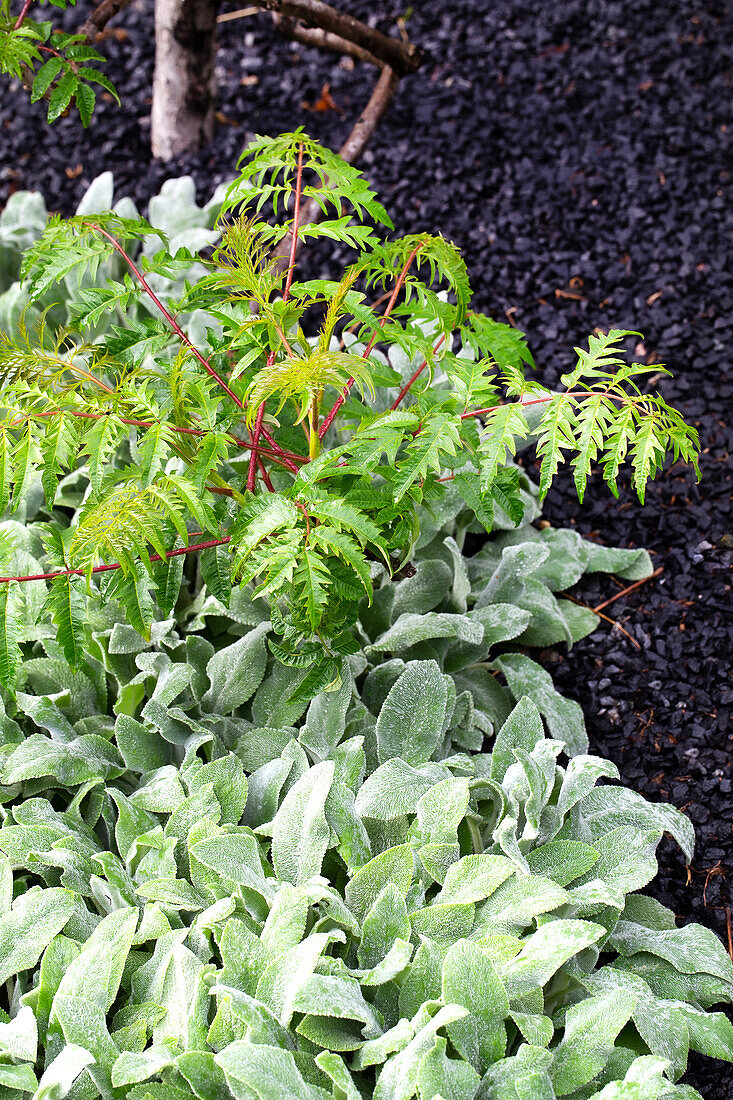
(287, 447)
(173, 210)
(208, 893)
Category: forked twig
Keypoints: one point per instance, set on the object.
(398, 55)
(606, 618)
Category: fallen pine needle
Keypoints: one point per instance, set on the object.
(227, 16)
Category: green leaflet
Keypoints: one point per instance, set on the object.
(68, 606)
(10, 632)
(438, 438)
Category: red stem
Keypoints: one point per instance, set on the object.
(21, 18)
(167, 314)
(116, 565)
(304, 510)
(289, 457)
(265, 475)
(296, 226)
(328, 420)
(284, 458)
(405, 389)
(253, 458)
(254, 461)
(548, 397)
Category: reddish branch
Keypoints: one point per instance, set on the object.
(289, 457)
(265, 476)
(116, 564)
(304, 510)
(253, 458)
(407, 386)
(328, 420)
(296, 225)
(21, 18)
(622, 398)
(166, 313)
(625, 591)
(276, 454)
(254, 462)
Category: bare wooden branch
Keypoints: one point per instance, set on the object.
(400, 56)
(323, 40)
(366, 124)
(100, 17)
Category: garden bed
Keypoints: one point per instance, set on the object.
(578, 160)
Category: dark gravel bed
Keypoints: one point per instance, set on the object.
(579, 153)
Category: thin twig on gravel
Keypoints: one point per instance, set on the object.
(625, 591)
(241, 13)
(606, 618)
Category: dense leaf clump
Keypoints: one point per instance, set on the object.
(224, 891)
(294, 431)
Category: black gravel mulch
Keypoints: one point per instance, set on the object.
(579, 153)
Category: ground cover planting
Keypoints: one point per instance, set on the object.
(220, 892)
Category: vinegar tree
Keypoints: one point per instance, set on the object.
(284, 446)
(64, 68)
